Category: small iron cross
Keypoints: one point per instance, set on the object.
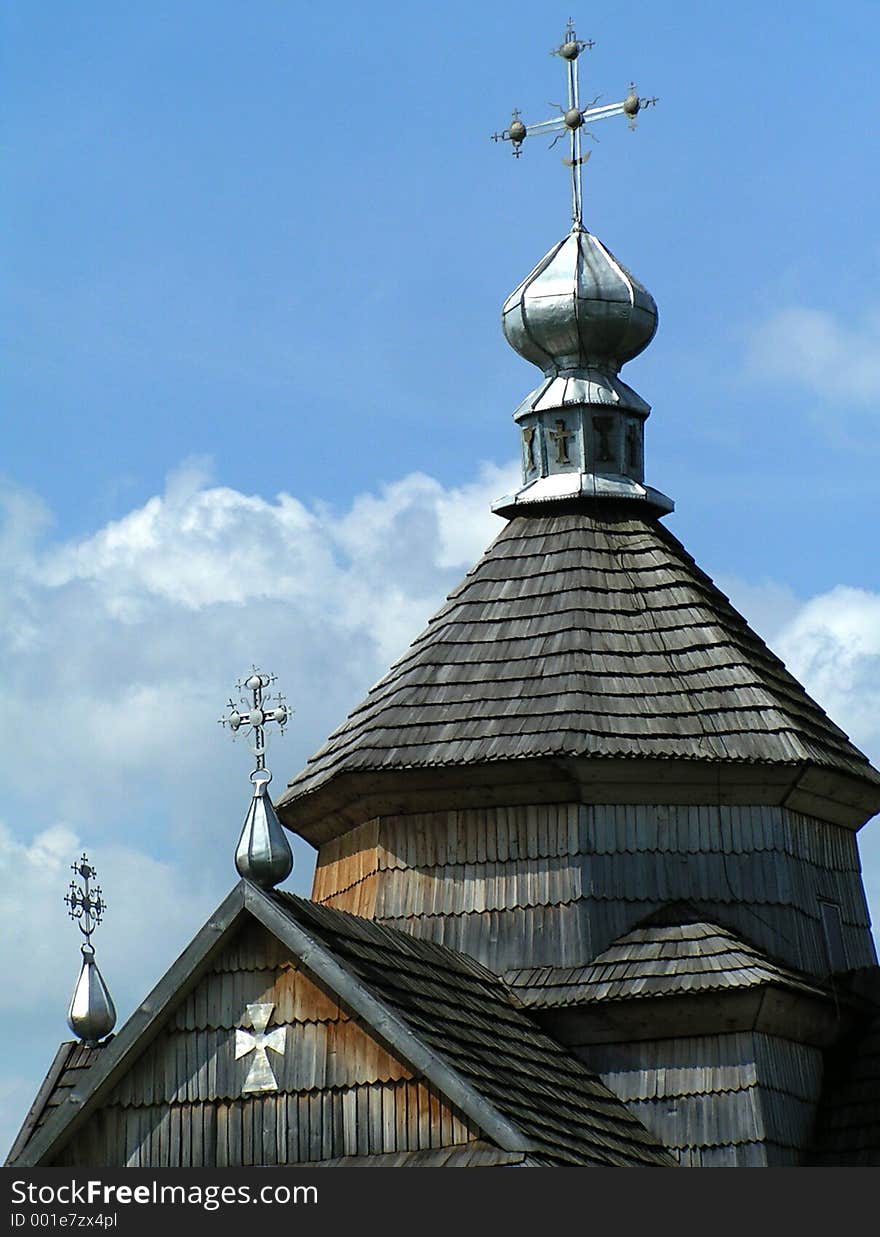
(260, 1076)
(561, 436)
(573, 119)
(84, 902)
(257, 711)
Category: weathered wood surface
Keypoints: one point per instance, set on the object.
(554, 885)
(722, 1100)
(466, 1014)
(57, 1083)
(343, 1089)
(340, 1092)
(660, 960)
(581, 635)
(271, 1129)
(847, 1131)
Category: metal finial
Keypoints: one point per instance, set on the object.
(91, 1014)
(257, 711)
(263, 854)
(573, 118)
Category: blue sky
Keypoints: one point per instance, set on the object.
(257, 401)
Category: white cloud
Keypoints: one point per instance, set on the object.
(123, 643)
(119, 649)
(833, 646)
(813, 349)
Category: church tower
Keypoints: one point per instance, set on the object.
(592, 776)
(587, 888)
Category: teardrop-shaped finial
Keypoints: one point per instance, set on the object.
(91, 1014)
(263, 854)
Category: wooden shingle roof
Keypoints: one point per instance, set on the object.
(462, 1011)
(581, 634)
(440, 1013)
(72, 1061)
(660, 959)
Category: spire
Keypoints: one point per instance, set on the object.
(580, 315)
(91, 1014)
(263, 854)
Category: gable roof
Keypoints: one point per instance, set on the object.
(660, 959)
(464, 1012)
(441, 1013)
(580, 634)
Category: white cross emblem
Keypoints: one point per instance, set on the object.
(260, 1076)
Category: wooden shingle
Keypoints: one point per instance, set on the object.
(584, 634)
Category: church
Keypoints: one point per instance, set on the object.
(588, 889)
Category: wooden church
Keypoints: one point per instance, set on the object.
(588, 888)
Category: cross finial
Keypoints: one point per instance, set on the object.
(256, 712)
(573, 118)
(263, 854)
(91, 1014)
(85, 904)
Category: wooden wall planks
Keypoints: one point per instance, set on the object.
(340, 1092)
(718, 1100)
(556, 884)
(271, 1129)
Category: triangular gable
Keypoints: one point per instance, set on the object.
(168, 1089)
(334, 1089)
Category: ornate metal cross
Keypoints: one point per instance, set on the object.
(574, 118)
(84, 902)
(256, 712)
(260, 1076)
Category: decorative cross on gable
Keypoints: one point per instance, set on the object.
(260, 1076)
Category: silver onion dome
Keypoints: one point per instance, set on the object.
(91, 1014)
(579, 308)
(263, 854)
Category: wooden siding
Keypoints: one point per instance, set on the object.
(743, 1100)
(848, 1127)
(341, 1093)
(267, 1130)
(554, 885)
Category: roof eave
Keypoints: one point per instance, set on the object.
(770, 1008)
(350, 797)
